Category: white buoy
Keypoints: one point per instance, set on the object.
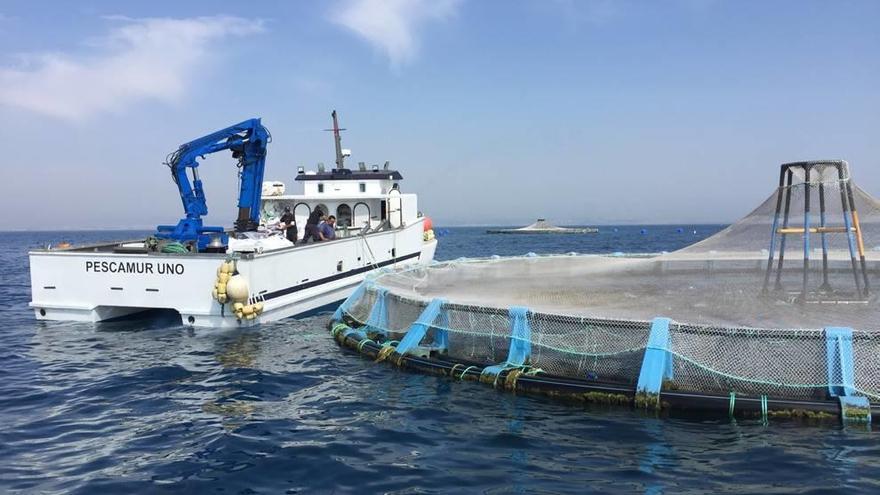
(237, 288)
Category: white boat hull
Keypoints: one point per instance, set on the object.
(80, 285)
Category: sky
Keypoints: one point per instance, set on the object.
(495, 112)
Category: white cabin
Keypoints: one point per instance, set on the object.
(359, 199)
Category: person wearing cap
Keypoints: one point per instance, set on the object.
(288, 224)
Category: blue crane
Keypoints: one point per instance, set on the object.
(247, 141)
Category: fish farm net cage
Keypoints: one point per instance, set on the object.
(774, 316)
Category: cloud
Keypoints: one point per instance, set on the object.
(142, 59)
(392, 25)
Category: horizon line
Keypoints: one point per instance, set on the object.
(453, 225)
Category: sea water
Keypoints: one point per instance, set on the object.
(149, 406)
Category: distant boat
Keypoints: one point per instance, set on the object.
(542, 226)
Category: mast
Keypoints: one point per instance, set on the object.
(340, 160)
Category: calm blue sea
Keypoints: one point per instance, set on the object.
(148, 406)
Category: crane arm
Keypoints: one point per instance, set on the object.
(247, 140)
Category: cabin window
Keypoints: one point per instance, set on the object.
(343, 215)
(363, 187)
(384, 209)
(320, 188)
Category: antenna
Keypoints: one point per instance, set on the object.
(340, 158)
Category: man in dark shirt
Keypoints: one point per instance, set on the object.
(312, 231)
(288, 223)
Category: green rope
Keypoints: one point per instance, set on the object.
(452, 371)
(338, 328)
(175, 248)
(764, 409)
(362, 342)
(461, 376)
(732, 404)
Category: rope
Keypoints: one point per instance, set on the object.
(511, 378)
(732, 404)
(384, 352)
(174, 248)
(461, 376)
(338, 328)
(452, 371)
(764, 409)
(370, 250)
(364, 341)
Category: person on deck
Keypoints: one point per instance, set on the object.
(312, 231)
(328, 229)
(288, 224)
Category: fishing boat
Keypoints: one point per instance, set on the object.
(255, 272)
(542, 226)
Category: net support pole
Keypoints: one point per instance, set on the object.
(773, 232)
(843, 176)
(860, 243)
(822, 222)
(788, 175)
(520, 349)
(657, 362)
(841, 372)
(807, 194)
(349, 302)
(419, 328)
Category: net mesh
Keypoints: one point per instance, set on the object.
(742, 321)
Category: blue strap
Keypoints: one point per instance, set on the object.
(657, 362)
(378, 319)
(520, 336)
(441, 335)
(420, 327)
(520, 342)
(839, 359)
(360, 334)
(349, 302)
(855, 409)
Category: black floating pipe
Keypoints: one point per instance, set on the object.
(680, 402)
